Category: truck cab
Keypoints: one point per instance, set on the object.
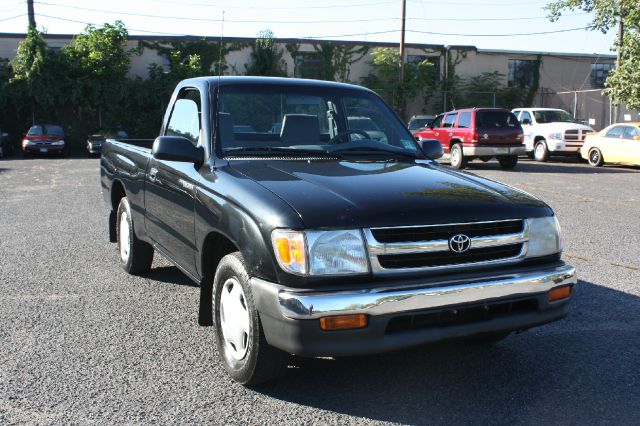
(551, 132)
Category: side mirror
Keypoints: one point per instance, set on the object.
(526, 121)
(636, 138)
(177, 148)
(432, 148)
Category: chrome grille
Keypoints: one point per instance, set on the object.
(425, 248)
(575, 137)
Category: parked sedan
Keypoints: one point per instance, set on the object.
(95, 140)
(618, 143)
(44, 139)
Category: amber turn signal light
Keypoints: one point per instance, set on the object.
(559, 293)
(343, 322)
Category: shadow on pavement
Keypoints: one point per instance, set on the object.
(169, 275)
(581, 370)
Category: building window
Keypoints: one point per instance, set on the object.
(309, 65)
(599, 73)
(435, 60)
(521, 72)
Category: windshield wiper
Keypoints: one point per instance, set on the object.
(266, 149)
(369, 149)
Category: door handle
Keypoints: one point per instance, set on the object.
(152, 174)
(437, 133)
(450, 134)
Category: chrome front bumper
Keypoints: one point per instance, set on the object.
(492, 151)
(311, 305)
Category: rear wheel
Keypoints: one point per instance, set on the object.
(136, 255)
(540, 151)
(242, 347)
(458, 160)
(595, 157)
(509, 162)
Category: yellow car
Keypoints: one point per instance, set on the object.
(618, 143)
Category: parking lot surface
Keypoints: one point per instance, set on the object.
(83, 342)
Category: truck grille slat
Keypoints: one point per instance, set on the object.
(424, 248)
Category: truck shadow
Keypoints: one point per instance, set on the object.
(169, 275)
(580, 370)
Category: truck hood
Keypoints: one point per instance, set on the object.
(560, 127)
(374, 193)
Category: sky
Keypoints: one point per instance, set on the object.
(486, 24)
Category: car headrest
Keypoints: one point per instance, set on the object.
(300, 129)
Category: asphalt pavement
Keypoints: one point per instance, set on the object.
(82, 342)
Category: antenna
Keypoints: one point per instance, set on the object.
(220, 59)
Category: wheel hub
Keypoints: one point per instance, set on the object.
(234, 319)
(124, 236)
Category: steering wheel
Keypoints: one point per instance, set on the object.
(334, 140)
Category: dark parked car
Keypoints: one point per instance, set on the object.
(418, 122)
(320, 240)
(95, 140)
(6, 149)
(44, 139)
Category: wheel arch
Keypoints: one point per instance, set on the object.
(118, 192)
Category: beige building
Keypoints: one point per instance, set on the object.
(569, 81)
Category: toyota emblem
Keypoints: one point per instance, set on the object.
(459, 243)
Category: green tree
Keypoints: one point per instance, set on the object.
(623, 83)
(266, 57)
(419, 78)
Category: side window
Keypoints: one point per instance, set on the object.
(615, 132)
(525, 116)
(449, 120)
(465, 120)
(630, 132)
(185, 117)
(438, 121)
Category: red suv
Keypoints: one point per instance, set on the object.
(481, 133)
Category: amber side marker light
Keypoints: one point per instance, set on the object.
(559, 293)
(343, 322)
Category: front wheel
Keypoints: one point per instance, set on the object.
(509, 162)
(540, 151)
(136, 255)
(458, 160)
(242, 347)
(595, 157)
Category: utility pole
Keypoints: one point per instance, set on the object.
(32, 15)
(616, 110)
(404, 8)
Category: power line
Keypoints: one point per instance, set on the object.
(145, 15)
(132, 29)
(13, 17)
(500, 35)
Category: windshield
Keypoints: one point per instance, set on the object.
(269, 120)
(45, 130)
(553, 116)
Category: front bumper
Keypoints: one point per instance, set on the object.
(561, 146)
(43, 149)
(492, 151)
(290, 316)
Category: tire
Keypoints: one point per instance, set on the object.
(485, 159)
(595, 157)
(136, 256)
(508, 162)
(540, 151)
(487, 338)
(241, 346)
(458, 160)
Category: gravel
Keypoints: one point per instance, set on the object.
(83, 342)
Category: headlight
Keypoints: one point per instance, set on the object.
(544, 236)
(320, 252)
(57, 143)
(556, 136)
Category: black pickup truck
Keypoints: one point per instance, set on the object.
(311, 236)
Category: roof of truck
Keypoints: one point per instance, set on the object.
(276, 81)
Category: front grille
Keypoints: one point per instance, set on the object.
(461, 315)
(575, 135)
(444, 232)
(422, 248)
(444, 258)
